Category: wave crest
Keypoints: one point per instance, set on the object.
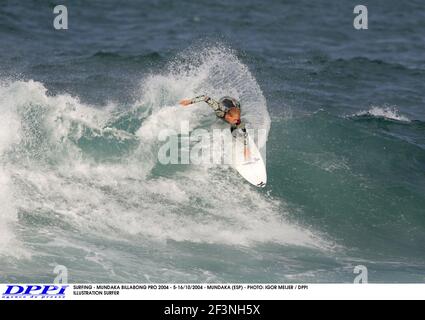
(389, 113)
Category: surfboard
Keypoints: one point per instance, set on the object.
(250, 166)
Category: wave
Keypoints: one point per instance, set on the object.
(387, 113)
(72, 168)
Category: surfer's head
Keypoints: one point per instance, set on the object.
(232, 108)
(233, 116)
(229, 102)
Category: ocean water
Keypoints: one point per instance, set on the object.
(81, 110)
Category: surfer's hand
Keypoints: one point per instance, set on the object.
(185, 102)
(236, 132)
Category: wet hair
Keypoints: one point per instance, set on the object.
(227, 103)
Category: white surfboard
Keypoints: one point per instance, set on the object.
(250, 165)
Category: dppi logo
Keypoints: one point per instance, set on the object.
(34, 291)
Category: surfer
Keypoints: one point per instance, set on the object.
(227, 108)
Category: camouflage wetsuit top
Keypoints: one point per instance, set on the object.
(220, 109)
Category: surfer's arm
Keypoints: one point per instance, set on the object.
(215, 105)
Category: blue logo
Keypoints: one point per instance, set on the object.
(34, 291)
